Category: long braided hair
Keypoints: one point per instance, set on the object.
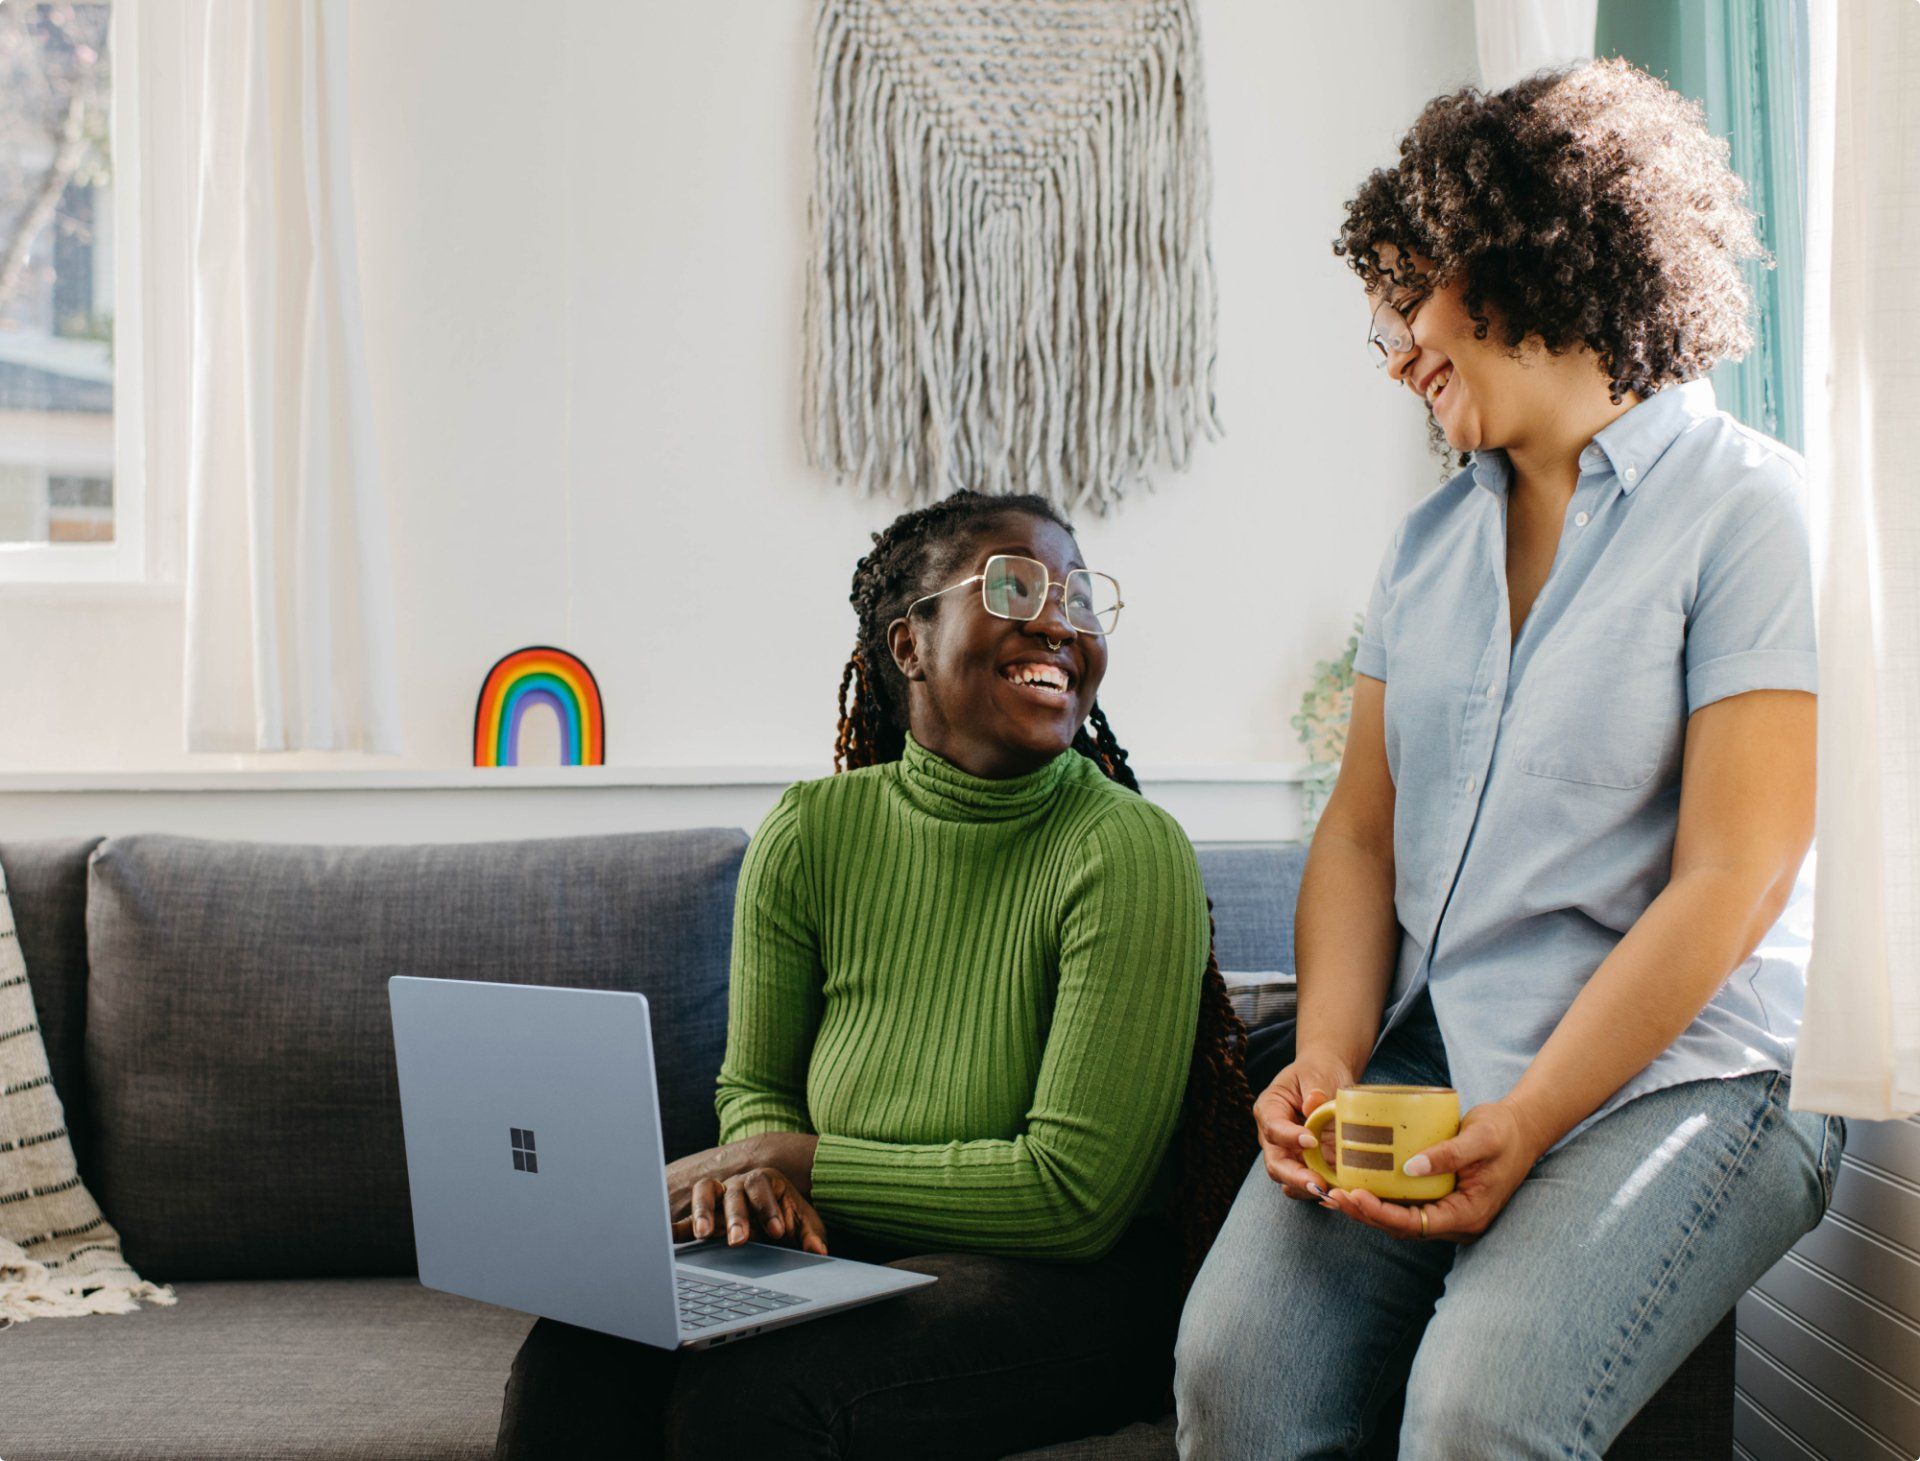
(1216, 1140)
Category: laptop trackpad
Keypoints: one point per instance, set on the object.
(753, 1260)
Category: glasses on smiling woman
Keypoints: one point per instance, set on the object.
(1017, 588)
(1389, 332)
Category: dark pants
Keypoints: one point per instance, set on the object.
(1001, 1355)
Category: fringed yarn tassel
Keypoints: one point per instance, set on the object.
(1011, 287)
(32, 1290)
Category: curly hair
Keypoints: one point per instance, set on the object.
(1216, 1140)
(1585, 206)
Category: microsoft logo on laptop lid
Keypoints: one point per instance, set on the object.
(524, 1159)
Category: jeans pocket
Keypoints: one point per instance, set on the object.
(1833, 1145)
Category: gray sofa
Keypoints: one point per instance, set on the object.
(215, 1015)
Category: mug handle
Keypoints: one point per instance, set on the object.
(1317, 1123)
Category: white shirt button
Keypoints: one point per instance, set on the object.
(1632, 474)
(1493, 692)
(1580, 519)
(1469, 783)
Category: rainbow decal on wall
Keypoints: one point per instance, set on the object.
(539, 675)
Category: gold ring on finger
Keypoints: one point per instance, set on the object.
(1424, 1234)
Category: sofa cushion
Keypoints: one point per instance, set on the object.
(239, 1048)
(1253, 886)
(47, 885)
(342, 1369)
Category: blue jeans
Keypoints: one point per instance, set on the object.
(1616, 1256)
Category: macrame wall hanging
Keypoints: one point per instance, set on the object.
(1011, 286)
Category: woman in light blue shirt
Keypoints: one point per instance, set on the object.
(1558, 869)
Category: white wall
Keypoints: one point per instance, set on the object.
(583, 237)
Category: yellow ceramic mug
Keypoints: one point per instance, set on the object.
(1376, 1130)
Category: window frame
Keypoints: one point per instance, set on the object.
(138, 553)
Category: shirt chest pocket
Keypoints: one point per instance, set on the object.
(1605, 701)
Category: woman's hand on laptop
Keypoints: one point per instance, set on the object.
(790, 1151)
(761, 1202)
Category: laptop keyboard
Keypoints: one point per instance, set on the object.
(705, 1302)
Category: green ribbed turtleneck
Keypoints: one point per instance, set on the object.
(980, 994)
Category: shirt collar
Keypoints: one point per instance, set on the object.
(1628, 446)
(1491, 471)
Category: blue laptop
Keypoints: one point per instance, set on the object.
(539, 1179)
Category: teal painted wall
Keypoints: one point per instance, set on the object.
(1745, 62)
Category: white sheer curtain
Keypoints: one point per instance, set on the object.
(1859, 1051)
(289, 596)
(1516, 38)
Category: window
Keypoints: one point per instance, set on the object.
(62, 513)
(525, 1158)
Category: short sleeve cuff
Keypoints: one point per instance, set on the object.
(1370, 659)
(1758, 669)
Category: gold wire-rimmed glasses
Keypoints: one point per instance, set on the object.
(1016, 588)
(1389, 332)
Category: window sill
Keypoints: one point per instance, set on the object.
(547, 778)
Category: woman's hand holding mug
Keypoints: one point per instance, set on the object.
(1497, 1146)
(1370, 1138)
(1280, 1117)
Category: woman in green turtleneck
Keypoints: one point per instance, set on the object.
(972, 1004)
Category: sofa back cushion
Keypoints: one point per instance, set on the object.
(239, 1051)
(47, 885)
(1254, 886)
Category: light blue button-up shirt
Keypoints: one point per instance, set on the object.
(1537, 779)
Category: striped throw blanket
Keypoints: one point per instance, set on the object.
(58, 1254)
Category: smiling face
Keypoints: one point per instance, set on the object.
(1488, 394)
(989, 694)
(1480, 392)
